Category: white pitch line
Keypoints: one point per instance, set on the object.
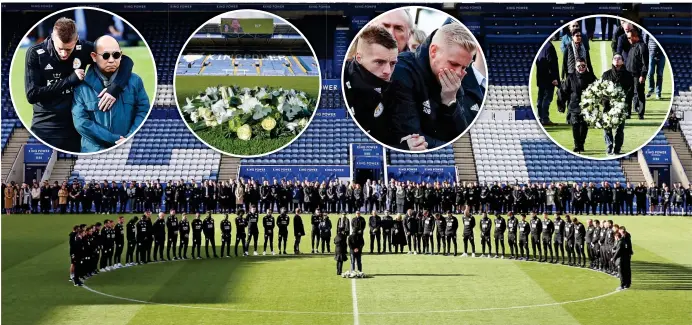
(355, 302)
(605, 62)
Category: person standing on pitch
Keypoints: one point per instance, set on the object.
(132, 242)
(119, 241)
(159, 236)
(172, 225)
(410, 229)
(268, 224)
(512, 224)
(451, 227)
(441, 226)
(547, 234)
(486, 227)
(325, 233)
(240, 225)
(558, 239)
(184, 228)
(591, 235)
(356, 243)
(144, 232)
(579, 234)
(469, 223)
(375, 231)
(398, 234)
(357, 225)
(428, 230)
(315, 231)
(226, 229)
(253, 228)
(569, 237)
(622, 257)
(387, 224)
(500, 226)
(340, 250)
(536, 227)
(209, 235)
(298, 231)
(524, 231)
(106, 246)
(282, 222)
(197, 236)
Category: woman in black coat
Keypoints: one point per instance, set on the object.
(298, 231)
(398, 235)
(340, 252)
(570, 95)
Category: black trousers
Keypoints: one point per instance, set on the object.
(625, 272)
(536, 246)
(283, 239)
(513, 248)
(387, 241)
(159, 243)
(142, 252)
(579, 131)
(571, 257)
(581, 258)
(467, 239)
(485, 240)
(131, 247)
(375, 237)
(269, 237)
(250, 236)
(451, 239)
(524, 247)
(315, 240)
(226, 244)
(106, 257)
(499, 241)
(441, 244)
(559, 250)
(118, 252)
(326, 243)
(428, 246)
(296, 245)
(547, 247)
(182, 248)
(172, 243)
(411, 239)
(207, 240)
(196, 245)
(639, 99)
(238, 238)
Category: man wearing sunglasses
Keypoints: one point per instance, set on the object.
(621, 77)
(103, 129)
(53, 68)
(569, 96)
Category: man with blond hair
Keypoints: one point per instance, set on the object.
(430, 96)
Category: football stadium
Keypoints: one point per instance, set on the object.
(506, 146)
(274, 57)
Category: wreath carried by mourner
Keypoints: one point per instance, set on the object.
(593, 103)
(257, 113)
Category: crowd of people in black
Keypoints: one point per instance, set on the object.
(336, 196)
(99, 247)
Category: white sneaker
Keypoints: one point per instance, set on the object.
(490, 256)
(473, 255)
(464, 255)
(415, 253)
(102, 270)
(410, 252)
(255, 253)
(264, 253)
(273, 253)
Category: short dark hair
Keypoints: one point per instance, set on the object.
(66, 29)
(378, 35)
(575, 32)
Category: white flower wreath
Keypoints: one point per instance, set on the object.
(592, 105)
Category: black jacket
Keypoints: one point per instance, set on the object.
(547, 68)
(418, 108)
(622, 78)
(569, 60)
(638, 60)
(571, 90)
(370, 100)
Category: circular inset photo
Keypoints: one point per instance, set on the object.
(601, 96)
(414, 79)
(83, 80)
(247, 83)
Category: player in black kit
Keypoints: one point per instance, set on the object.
(226, 229)
(196, 236)
(282, 222)
(184, 237)
(172, 227)
(209, 235)
(240, 225)
(253, 228)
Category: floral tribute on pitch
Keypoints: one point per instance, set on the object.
(257, 113)
(594, 100)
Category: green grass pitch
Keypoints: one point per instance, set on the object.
(190, 86)
(144, 68)
(637, 132)
(403, 289)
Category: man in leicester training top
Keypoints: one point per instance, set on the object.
(53, 68)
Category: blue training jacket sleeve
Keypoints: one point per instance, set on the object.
(141, 107)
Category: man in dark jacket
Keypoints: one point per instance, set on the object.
(369, 92)
(430, 98)
(623, 78)
(356, 243)
(573, 53)
(570, 95)
(638, 65)
(547, 75)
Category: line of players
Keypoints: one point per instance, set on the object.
(98, 248)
